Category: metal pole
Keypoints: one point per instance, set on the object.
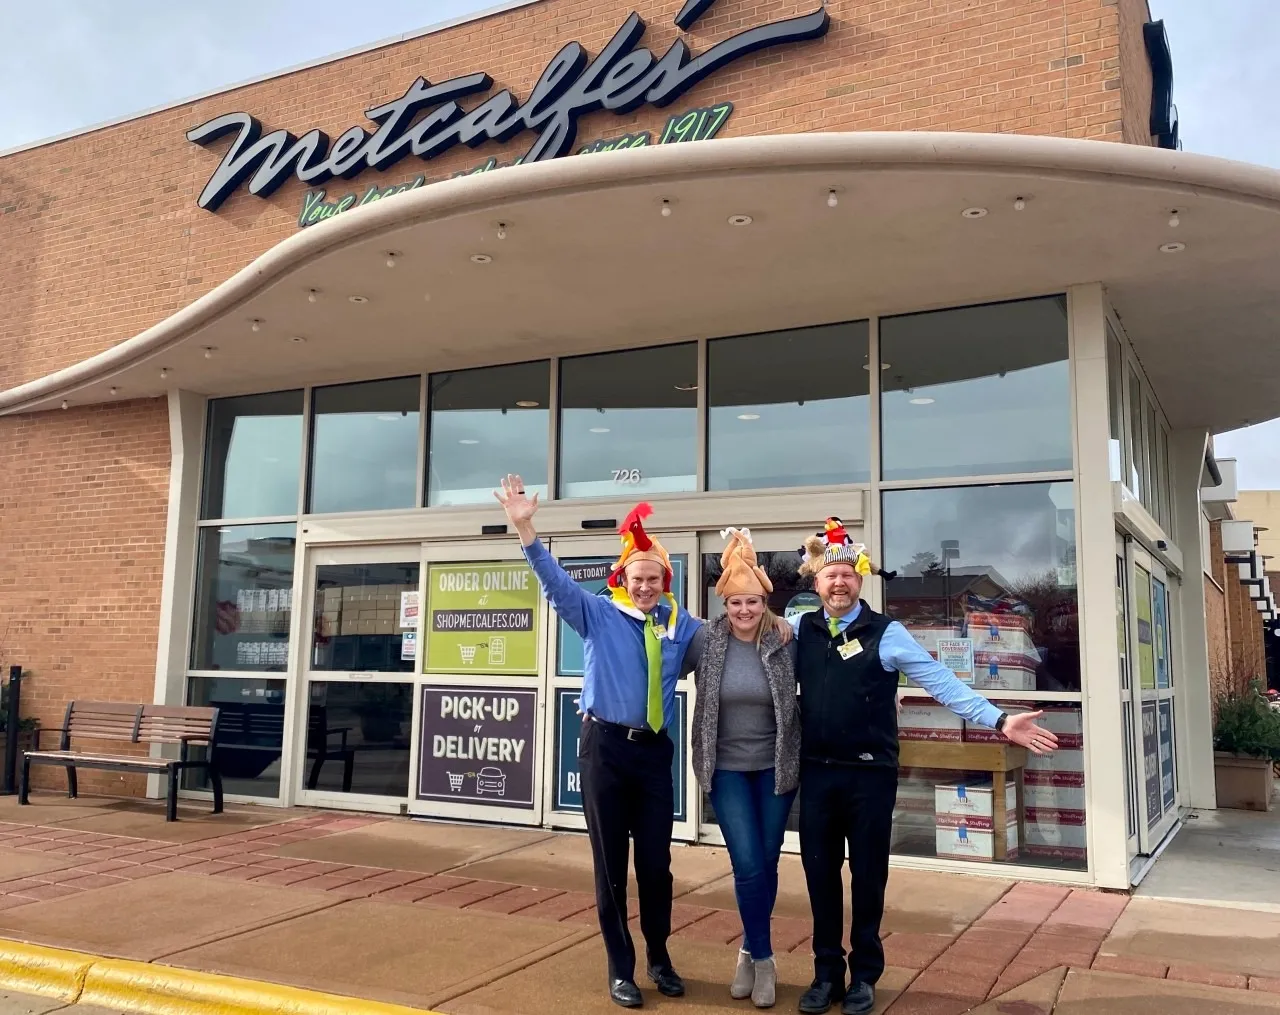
(11, 732)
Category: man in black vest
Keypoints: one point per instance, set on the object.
(847, 665)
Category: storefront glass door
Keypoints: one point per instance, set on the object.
(1153, 720)
(1124, 626)
(354, 717)
(587, 560)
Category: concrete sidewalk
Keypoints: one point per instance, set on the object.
(474, 920)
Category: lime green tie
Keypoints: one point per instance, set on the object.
(653, 652)
(833, 625)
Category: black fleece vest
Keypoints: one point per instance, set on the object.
(848, 707)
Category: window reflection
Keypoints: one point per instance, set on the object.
(770, 396)
(244, 598)
(484, 424)
(252, 453)
(628, 422)
(359, 609)
(358, 738)
(364, 451)
(976, 391)
(250, 734)
(994, 567)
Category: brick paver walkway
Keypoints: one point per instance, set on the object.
(1031, 929)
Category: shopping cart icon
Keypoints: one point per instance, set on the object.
(497, 651)
(468, 653)
(455, 781)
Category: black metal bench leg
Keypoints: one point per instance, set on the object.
(216, 777)
(73, 786)
(348, 762)
(25, 782)
(171, 804)
(314, 778)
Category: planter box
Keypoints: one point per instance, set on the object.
(1242, 782)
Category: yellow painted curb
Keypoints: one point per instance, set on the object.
(163, 990)
(46, 972)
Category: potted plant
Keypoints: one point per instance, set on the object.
(1246, 743)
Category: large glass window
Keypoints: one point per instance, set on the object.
(1115, 405)
(250, 734)
(361, 621)
(772, 397)
(976, 391)
(253, 450)
(629, 422)
(364, 446)
(244, 598)
(484, 424)
(992, 571)
(1138, 474)
(358, 737)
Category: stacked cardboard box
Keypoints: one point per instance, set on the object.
(964, 819)
(925, 719)
(367, 609)
(1054, 792)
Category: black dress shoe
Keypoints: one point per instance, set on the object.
(819, 996)
(860, 999)
(667, 980)
(625, 993)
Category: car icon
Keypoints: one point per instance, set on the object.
(491, 780)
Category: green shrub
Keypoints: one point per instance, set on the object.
(1247, 724)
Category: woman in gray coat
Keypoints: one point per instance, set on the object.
(746, 751)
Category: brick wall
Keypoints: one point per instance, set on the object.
(1135, 77)
(83, 500)
(100, 236)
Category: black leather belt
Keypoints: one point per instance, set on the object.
(630, 732)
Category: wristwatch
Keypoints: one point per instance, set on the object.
(1004, 717)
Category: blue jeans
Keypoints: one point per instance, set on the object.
(753, 819)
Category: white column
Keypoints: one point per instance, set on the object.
(186, 444)
(1095, 576)
(1194, 727)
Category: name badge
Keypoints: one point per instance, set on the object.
(660, 630)
(849, 649)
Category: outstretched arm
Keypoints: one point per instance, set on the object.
(899, 651)
(571, 601)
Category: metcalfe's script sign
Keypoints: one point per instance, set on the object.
(620, 79)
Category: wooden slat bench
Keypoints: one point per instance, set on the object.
(112, 722)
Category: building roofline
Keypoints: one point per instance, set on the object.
(441, 26)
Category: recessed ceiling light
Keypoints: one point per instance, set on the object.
(255, 324)
(468, 442)
(599, 429)
(922, 401)
(974, 213)
(391, 258)
(298, 340)
(749, 415)
(527, 403)
(740, 220)
(313, 295)
(1172, 248)
(867, 367)
(358, 299)
(481, 259)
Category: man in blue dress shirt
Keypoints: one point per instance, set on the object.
(847, 662)
(635, 643)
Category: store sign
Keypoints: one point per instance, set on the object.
(694, 125)
(1151, 763)
(482, 618)
(478, 745)
(621, 79)
(568, 793)
(1168, 784)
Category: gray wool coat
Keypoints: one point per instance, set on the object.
(780, 670)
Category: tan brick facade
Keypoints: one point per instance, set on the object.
(101, 238)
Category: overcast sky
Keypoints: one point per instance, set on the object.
(79, 62)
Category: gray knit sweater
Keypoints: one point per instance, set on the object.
(709, 676)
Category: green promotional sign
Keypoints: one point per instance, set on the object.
(482, 618)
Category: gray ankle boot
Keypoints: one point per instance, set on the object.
(744, 977)
(766, 974)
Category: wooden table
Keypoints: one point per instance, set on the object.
(1003, 760)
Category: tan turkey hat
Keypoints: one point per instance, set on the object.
(741, 575)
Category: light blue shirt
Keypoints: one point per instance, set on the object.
(901, 653)
(615, 682)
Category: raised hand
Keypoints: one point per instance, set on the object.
(1022, 730)
(519, 507)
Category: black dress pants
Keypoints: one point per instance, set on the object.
(842, 804)
(627, 793)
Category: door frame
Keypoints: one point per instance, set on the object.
(297, 712)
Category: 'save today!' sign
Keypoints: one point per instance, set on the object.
(621, 79)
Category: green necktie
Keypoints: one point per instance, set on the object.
(653, 653)
(833, 625)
